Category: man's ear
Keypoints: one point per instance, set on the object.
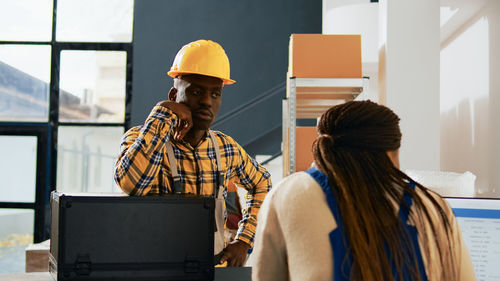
(172, 94)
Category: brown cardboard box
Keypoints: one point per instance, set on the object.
(325, 56)
(305, 137)
(37, 257)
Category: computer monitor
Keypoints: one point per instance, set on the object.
(479, 219)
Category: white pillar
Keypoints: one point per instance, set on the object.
(409, 76)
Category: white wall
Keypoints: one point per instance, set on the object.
(394, 40)
(469, 88)
(470, 95)
(409, 76)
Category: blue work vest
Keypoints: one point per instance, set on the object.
(342, 258)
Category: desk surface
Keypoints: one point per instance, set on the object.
(221, 274)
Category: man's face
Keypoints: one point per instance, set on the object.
(203, 95)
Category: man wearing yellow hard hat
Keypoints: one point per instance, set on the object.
(175, 151)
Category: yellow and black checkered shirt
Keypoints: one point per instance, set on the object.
(143, 166)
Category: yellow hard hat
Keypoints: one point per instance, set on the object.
(204, 57)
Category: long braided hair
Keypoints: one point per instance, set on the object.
(352, 151)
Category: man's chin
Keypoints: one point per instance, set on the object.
(202, 125)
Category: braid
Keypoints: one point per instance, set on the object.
(351, 151)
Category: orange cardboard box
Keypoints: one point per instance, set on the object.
(304, 139)
(324, 56)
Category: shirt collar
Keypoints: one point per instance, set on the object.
(188, 146)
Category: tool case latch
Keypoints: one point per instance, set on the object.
(191, 266)
(82, 265)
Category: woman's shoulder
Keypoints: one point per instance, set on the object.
(296, 182)
(434, 196)
(429, 203)
(295, 189)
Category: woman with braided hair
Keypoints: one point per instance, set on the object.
(354, 215)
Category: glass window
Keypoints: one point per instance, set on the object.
(86, 157)
(94, 20)
(26, 20)
(24, 82)
(92, 86)
(16, 234)
(18, 168)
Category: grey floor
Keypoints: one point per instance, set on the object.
(12, 259)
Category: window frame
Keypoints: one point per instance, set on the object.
(47, 131)
(42, 132)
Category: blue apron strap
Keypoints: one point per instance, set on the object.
(415, 253)
(342, 258)
(404, 208)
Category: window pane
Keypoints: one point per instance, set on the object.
(26, 20)
(18, 168)
(86, 157)
(16, 234)
(94, 20)
(92, 86)
(24, 82)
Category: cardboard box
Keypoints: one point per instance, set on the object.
(305, 137)
(37, 257)
(324, 56)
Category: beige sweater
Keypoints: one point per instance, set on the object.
(292, 240)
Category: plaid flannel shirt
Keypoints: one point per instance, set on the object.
(143, 167)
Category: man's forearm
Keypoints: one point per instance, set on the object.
(142, 152)
(248, 224)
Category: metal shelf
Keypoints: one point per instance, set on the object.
(309, 98)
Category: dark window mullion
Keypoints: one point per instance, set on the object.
(93, 46)
(40, 131)
(42, 190)
(54, 20)
(42, 213)
(128, 87)
(16, 205)
(25, 42)
(54, 111)
(57, 48)
(90, 124)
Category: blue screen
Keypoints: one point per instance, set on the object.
(479, 220)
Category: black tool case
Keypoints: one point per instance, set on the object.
(131, 238)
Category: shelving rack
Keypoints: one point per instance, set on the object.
(308, 98)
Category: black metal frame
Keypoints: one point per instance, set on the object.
(47, 131)
(41, 192)
(57, 48)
